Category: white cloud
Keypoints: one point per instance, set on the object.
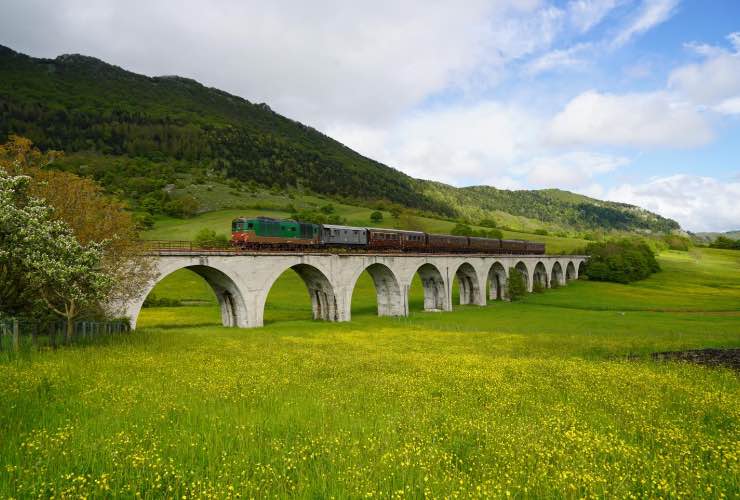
(653, 119)
(557, 59)
(697, 203)
(574, 170)
(651, 14)
(319, 62)
(456, 144)
(715, 82)
(586, 14)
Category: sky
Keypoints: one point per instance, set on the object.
(636, 101)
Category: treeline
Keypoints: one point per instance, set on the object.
(80, 104)
(557, 208)
(725, 243)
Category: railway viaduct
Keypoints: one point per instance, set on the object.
(242, 281)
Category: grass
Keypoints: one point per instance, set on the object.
(531, 399)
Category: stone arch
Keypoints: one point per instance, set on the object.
(435, 289)
(391, 302)
(497, 282)
(522, 268)
(230, 298)
(581, 266)
(539, 276)
(570, 272)
(320, 289)
(557, 278)
(470, 291)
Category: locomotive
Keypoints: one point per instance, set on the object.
(266, 233)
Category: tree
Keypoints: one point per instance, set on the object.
(55, 266)
(327, 209)
(207, 238)
(462, 230)
(93, 216)
(620, 261)
(376, 217)
(396, 212)
(488, 223)
(517, 286)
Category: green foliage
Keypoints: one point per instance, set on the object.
(376, 216)
(488, 223)
(620, 261)
(327, 209)
(462, 230)
(145, 130)
(41, 255)
(725, 243)
(396, 212)
(208, 238)
(541, 232)
(182, 207)
(676, 242)
(517, 284)
(153, 301)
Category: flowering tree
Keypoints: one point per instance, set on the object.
(43, 254)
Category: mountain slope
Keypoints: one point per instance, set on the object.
(138, 134)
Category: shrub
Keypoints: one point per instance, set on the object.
(517, 285)
(726, 243)
(185, 206)
(541, 232)
(462, 230)
(488, 223)
(207, 238)
(620, 261)
(376, 216)
(327, 209)
(676, 242)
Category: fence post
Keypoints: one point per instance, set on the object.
(52, 336)
(16, 335)
(34, 333)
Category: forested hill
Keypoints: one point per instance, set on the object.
(137, 133)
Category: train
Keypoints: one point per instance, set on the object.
(267, 233)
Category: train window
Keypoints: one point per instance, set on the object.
(251, 225)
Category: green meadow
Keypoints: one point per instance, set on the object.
(553, 396)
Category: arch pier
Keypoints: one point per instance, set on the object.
(241, 282)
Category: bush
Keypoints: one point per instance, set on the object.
(488, 223)
(541, 232)
(726, 243)
(185, 206)
(675, 242)
(327, 209)
(154, 301)
(207, 238)
(376, 216)
(462, 230)
(517, 285)
(620, 261)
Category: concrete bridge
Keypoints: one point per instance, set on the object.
(242, 281)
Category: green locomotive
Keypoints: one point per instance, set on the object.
(269, 232)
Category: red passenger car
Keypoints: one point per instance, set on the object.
(484, 245)
(516, 247)
(446, 243)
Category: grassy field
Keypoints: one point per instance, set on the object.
(167, 228)
(552, 396)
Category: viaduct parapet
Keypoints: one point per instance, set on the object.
(242, 281)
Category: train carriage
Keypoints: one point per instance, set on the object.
(484, 245)
(535, 248)
(514, 247)
(342, 236)
(395, 239)
(446, 243)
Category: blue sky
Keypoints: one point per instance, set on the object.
(627, 100)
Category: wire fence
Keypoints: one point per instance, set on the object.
(18, 334)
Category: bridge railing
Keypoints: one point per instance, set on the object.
(181, 246)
